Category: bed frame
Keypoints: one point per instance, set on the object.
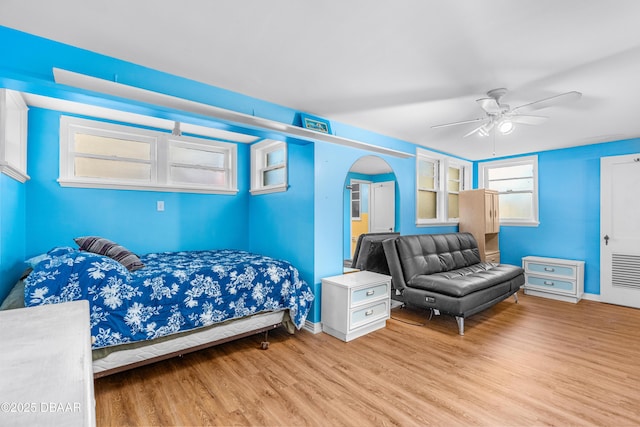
(128, 358)
(123, 357)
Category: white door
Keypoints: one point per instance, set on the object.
(382, 217)
(620, 230)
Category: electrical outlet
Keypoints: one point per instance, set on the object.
(160, 205)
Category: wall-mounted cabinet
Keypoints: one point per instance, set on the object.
(13, 135)
(480, 216)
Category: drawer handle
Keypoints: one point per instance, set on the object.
(368, 312)
(371, 292)
(549, 269)
(546, 282)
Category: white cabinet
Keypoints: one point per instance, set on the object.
(45, 366)
(560, 279)
(355, 304)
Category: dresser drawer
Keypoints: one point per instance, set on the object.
(492, 257)
(560, 279)
(551, 269)
(369, 294)
(551, 283)
(364, 315)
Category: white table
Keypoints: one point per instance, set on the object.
(46, 377)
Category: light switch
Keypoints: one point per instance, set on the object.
(160, 205)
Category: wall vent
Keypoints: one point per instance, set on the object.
(625, 270)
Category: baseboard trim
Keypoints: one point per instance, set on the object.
(314, 328)
(592, 297)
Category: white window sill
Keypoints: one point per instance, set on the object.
(437, 224)
(508, 223)
(13, 172)
(268, 190)
(142, 187)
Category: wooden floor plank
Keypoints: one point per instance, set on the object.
(540, 362)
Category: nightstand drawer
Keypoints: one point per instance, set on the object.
(368, 294)
(552, 269)
(365, 315)
(551, 283)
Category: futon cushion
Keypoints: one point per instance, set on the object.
(426, 254)
(102, 246)
(463, 281)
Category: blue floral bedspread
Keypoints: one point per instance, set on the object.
(174, 292)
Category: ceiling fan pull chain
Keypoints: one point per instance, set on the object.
(494, 141)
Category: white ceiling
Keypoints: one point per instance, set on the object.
(396, 68)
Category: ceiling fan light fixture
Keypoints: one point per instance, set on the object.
(506, 127)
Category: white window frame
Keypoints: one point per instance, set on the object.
(359, 183)
(160, 143)
(483, 182)
(259, 153)
(11, 125)
(442, 163)
(203, 145)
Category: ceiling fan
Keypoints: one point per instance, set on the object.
(503, 118)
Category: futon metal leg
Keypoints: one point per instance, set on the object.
(515, 296)
(460, 321)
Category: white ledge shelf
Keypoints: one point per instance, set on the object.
(114, 89)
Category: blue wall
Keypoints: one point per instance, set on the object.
(332, 164)
(569, 209)
(55, 214)
(281, 224)
(12, 232)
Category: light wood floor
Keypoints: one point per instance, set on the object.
(540, 362)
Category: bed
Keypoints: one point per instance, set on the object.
(164, 304)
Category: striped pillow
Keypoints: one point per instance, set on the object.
(102, 246)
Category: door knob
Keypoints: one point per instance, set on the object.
(606, 239)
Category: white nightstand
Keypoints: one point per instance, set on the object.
(355, 304)
(555, 278)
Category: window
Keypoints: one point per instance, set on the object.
(268, 167)
(192, 163)
(453, 188)
(516, 181)
(104, 155)
(13, 135)
(356, 201)
(427, 188)
(439, 180)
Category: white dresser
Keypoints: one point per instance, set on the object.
(355, 304)
(556, 278)
(45, 366)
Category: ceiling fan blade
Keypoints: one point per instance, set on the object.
(459, 123)
(483, 130)
(548, 102)
(528, 119)
(489, 105)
